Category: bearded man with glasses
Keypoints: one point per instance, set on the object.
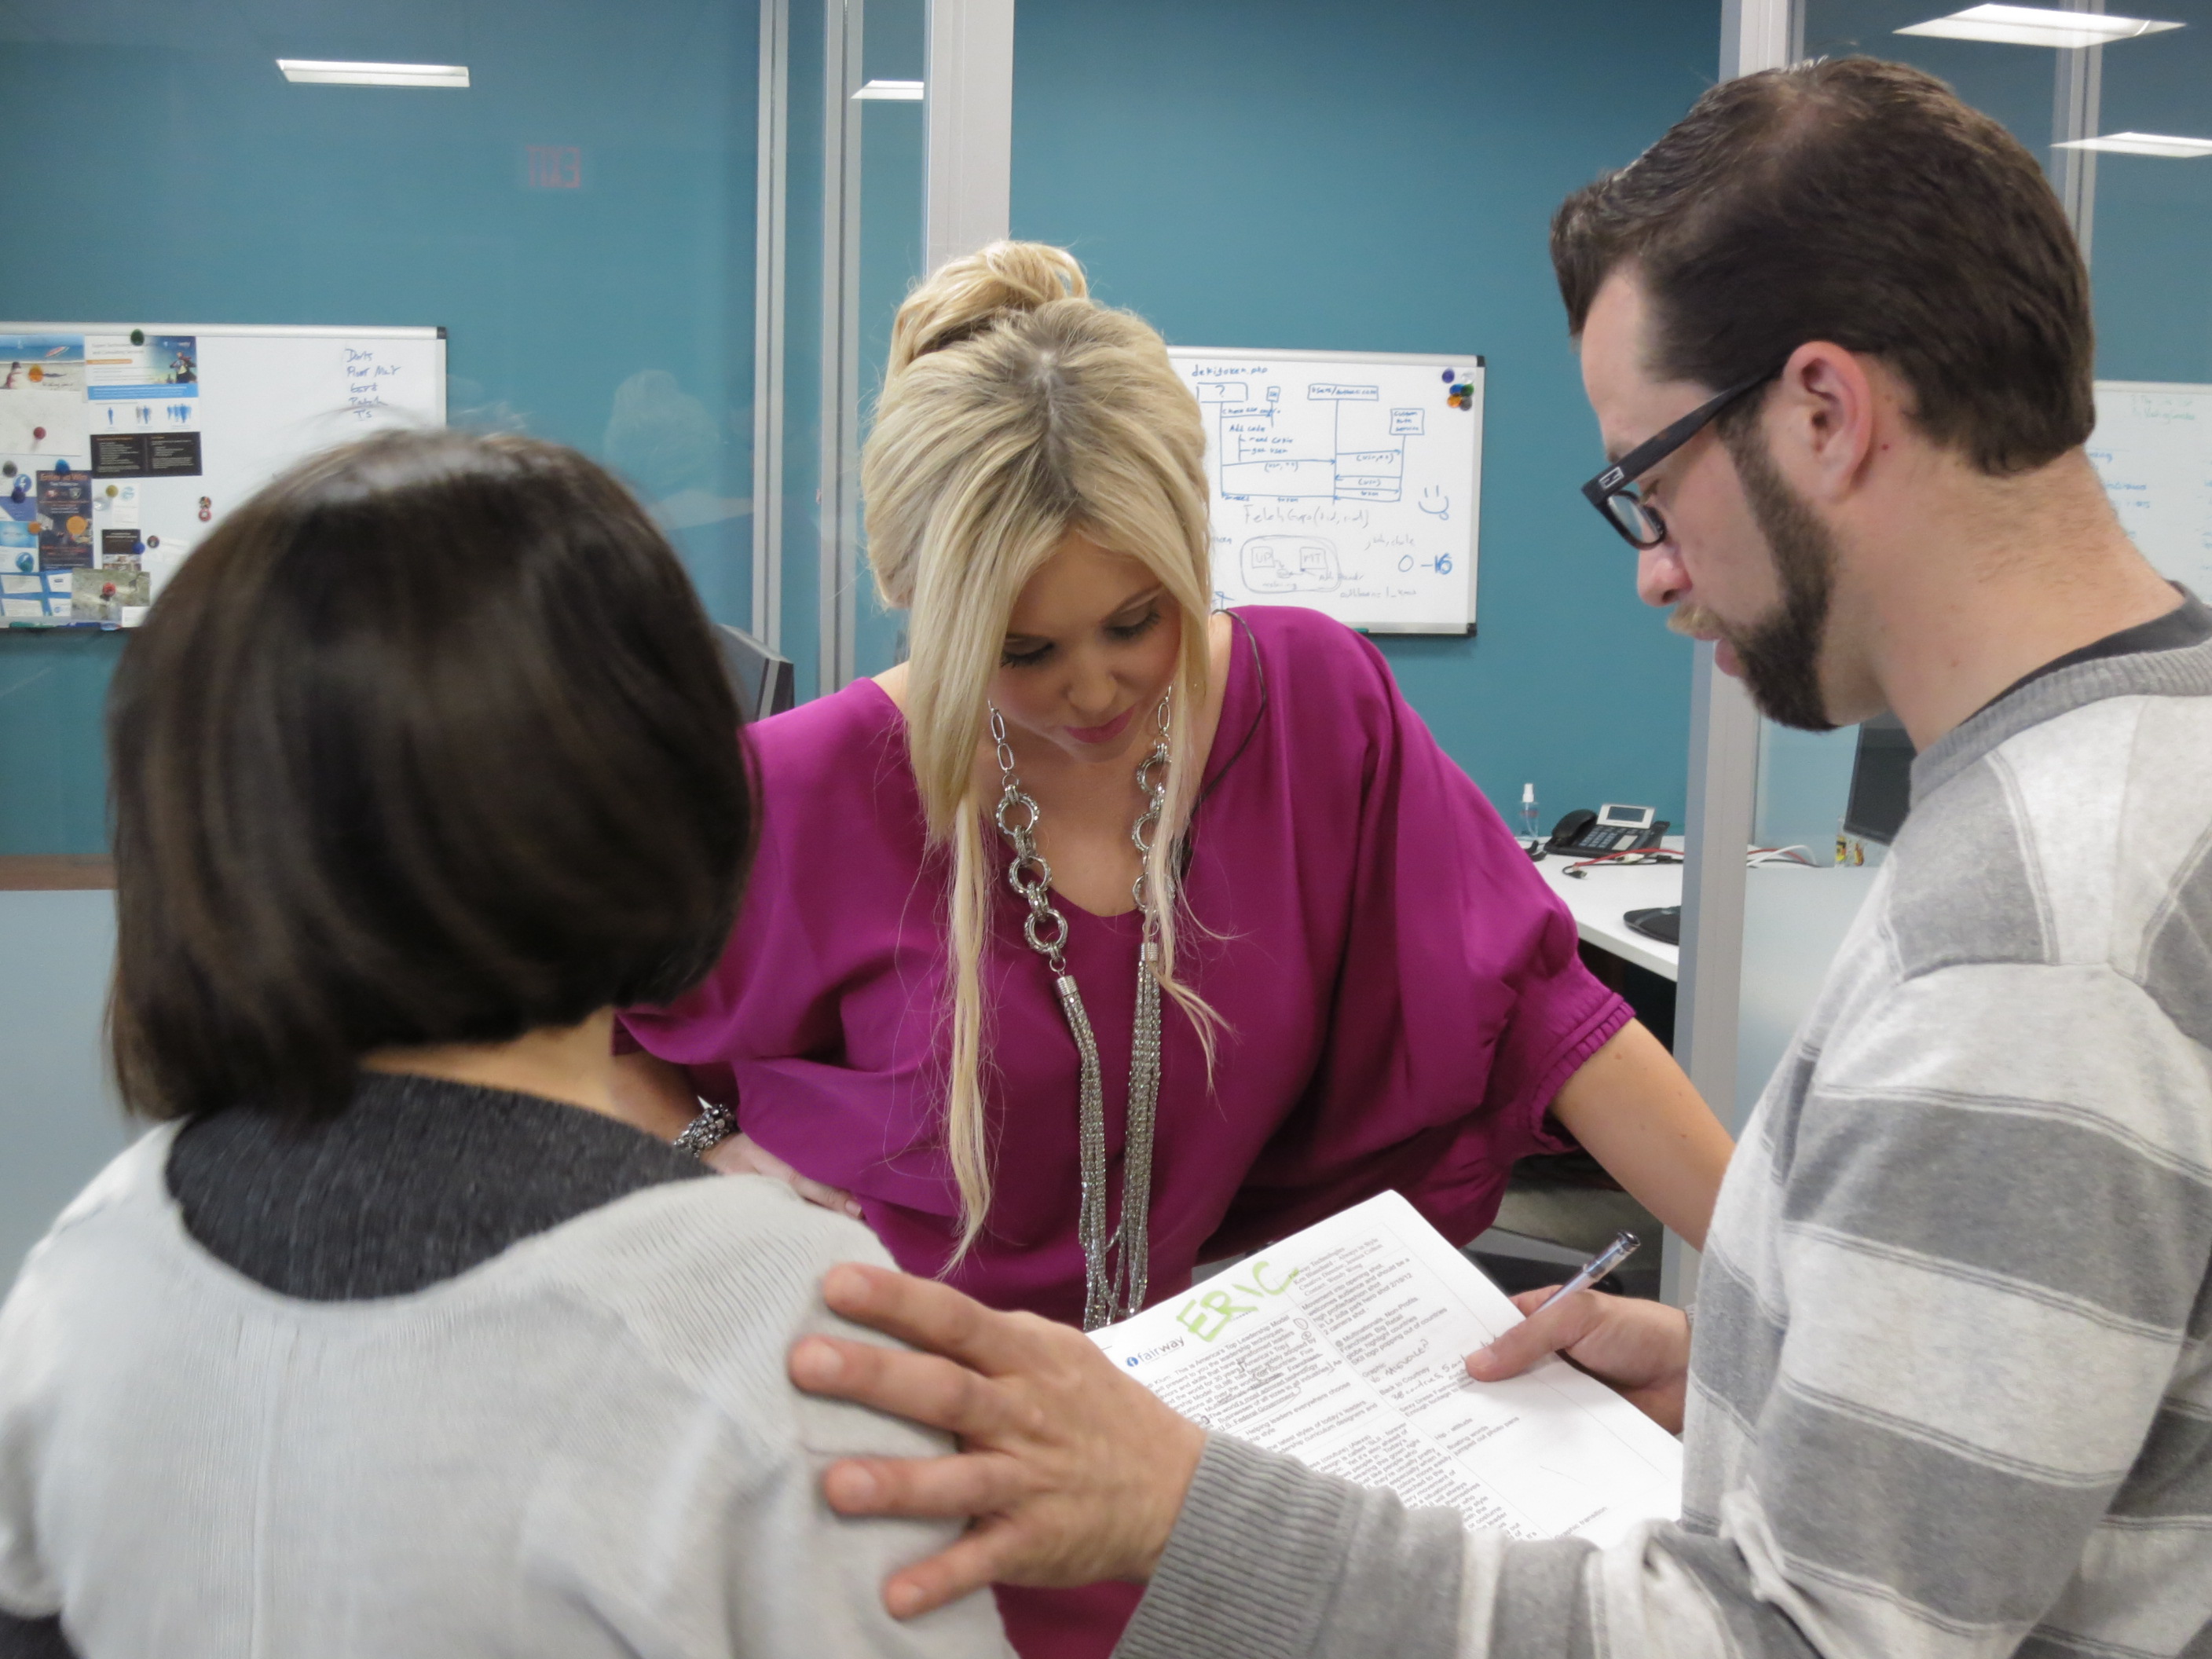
(1951, 1391)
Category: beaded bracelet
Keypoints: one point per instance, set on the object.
(712, 1125)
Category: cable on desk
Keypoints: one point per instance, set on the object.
(1793, 855)
(1630, 855)
(1753, 858)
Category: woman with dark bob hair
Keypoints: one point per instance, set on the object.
(394, 1336)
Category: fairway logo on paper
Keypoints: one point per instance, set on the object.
(1139, 1357)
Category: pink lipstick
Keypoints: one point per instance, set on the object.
(1106, 733)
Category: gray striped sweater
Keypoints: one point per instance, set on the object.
(1951, 1390)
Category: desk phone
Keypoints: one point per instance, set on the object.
(1613, 828)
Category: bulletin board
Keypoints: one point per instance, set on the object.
(1348, 482)
(122, 445)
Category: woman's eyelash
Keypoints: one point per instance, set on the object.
(1119, 630)
(1131, 630)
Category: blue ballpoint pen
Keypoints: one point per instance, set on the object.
(1623, 1247)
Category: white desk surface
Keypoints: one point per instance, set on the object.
(1603, 894)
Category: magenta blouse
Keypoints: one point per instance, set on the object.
(1402, 996)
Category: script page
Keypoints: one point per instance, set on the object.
(1343, 1347)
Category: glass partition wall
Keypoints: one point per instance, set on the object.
(841, 212)
(572, 200)
(2118, 109)
(633, 224)
(2124, 131)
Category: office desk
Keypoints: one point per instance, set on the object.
(1604, 893)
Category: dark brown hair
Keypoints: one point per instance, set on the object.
(1860, 202)
(428, 741)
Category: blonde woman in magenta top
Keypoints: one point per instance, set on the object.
(1351, 979)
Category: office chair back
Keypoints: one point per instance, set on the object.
(763, 679)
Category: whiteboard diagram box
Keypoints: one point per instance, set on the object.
(1275, 565)
(1347, 482)
(1292, 480)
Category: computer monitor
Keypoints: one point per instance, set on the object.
(1882, 781)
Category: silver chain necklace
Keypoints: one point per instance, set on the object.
(1115, 1264)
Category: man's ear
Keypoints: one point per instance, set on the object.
(1821, 419)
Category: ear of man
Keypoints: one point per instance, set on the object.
(1828, 423)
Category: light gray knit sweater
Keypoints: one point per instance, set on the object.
(1951, 1392)
(583, 1446)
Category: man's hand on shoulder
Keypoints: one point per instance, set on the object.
(1640, 1349)
(1069, 1472)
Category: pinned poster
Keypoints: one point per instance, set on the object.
(64, 520)
(42, 598)
(115, 522)
(112, 598)
(43, 413)
(19, 548)
(146, 454)
(43, 362)
(140, 389)
(141, 367)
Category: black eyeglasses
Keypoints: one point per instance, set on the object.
(1614, 492)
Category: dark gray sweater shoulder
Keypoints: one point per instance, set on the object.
(418, 1181)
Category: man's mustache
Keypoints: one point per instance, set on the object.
(1697, 622)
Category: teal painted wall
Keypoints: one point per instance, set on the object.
(1337, 175)
(1302, 174)
(191, 182)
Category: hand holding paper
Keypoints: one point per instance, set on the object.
(1640, 1349)
(1343, 1347)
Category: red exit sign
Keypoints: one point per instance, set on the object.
(555, 167)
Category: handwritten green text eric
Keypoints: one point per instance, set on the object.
(1206, 1316)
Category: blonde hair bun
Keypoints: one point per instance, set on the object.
(966, 297)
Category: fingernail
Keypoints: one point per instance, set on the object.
(850, 1487)
(905, 1600)
(1482, 1362)
(853, 1208)
(845, 1287)
(815, 1362)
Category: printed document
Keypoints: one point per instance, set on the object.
(1342, 1346)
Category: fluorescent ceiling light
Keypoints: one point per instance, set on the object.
(905, 91)
(2143, 143)
(315, 72)
(2036, 25)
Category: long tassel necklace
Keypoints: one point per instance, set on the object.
(1115, 1263)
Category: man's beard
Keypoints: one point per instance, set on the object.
(1780, 655)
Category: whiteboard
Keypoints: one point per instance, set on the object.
(2153, 448)
(1348, 482)
(122, 445)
